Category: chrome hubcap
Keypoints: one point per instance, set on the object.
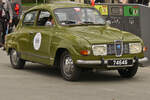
(68, 66)
(14, 57)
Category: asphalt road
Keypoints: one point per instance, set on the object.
(38, 82)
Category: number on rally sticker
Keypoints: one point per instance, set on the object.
(120, 62)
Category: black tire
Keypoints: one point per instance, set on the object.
(69, 71)
(129, 72)
(15, 60)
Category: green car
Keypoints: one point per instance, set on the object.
(73, 37)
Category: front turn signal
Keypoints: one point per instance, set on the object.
(145, 49)
(84, 52)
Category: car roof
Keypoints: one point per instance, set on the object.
(59, 5)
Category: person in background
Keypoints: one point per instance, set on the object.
(144, 2)
(8, 8)
(99, 1)
(123, 1)
(17, 11)
(6, 19)
(132, 1)
(1, 22)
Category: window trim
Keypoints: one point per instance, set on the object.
(57, 19)
(36, 23)
(36, 10)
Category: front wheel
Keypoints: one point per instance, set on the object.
(15, 60)
(129, 72)
(69, 71)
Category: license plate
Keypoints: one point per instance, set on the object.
(120, 62)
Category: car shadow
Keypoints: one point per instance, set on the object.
(103, 76)
(86, 76)
(44, 70)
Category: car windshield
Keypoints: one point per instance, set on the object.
(78, 16)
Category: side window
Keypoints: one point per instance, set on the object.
(30, 18)
(45, 19)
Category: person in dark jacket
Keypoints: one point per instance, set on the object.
(5, 19)
(1, 22)
(144, 2)
(17, 11)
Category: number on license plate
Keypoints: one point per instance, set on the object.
(120, 62)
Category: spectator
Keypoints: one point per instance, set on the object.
(99, 1)
(8, 8)
(123, 1)
(144, 2)
(17, 11)
(132, 1)
(1, 22)
(5, 19)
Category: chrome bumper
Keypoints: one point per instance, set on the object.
(89, 62)
(145, 59)
(97, 62)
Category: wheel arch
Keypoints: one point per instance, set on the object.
(10, 48)
(58, 53)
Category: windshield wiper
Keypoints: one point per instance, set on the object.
(90, 23)
(68, 22)
(87, 22)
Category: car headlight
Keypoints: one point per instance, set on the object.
(99, 50)
(135, 48)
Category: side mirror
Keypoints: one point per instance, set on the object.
(108, 22)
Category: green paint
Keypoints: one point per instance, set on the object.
(131, 11)
(72, 38)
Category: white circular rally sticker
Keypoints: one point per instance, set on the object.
(37, 41)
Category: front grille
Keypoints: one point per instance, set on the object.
(111, 50)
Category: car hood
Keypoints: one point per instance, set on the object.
(102, 34)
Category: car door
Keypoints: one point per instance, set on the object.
(41, 38)
(25, 30)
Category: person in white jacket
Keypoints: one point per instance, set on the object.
(8, 8)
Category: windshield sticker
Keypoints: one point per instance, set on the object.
(103, 9)
(77, 9)
(37, 41)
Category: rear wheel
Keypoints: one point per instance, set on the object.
(129, 72)
(69, 71)
(15, 60)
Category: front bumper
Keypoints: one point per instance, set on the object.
(105, 62)
(145, 59)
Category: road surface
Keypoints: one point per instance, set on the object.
(39, 82)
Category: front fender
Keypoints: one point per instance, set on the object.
(11, 44)
(72, 44)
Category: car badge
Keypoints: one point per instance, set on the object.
(118, 46)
